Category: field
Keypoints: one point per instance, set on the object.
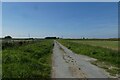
(32, 58)
(106, 52)
(105, 44)
(23, 59)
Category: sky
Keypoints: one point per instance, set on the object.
(0, 19)
(61, 19)
(60, 0)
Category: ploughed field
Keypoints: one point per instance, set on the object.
(105, 51)
(27, 59)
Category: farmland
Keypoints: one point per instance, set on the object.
(105, 52)
(106, 44)
(33, 58)
(27, 59)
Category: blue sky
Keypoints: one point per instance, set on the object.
(70, 20)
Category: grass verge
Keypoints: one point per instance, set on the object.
(29, 61)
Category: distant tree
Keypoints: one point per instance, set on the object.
(8, 37)
(83, 37)
(50, 37)
(31, 38)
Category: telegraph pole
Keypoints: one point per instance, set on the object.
(28, 35)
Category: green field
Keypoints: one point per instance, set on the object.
(32, 60)
(105, 52)
(106, 44)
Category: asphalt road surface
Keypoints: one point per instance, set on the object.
(67, 64)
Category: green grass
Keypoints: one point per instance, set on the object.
(106, 44)
(0, 59)
(103, 55)
(28, 61)
(0, 64)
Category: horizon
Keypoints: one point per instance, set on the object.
(57, 37)
(60, 19)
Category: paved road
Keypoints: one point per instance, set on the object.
(67, 64)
